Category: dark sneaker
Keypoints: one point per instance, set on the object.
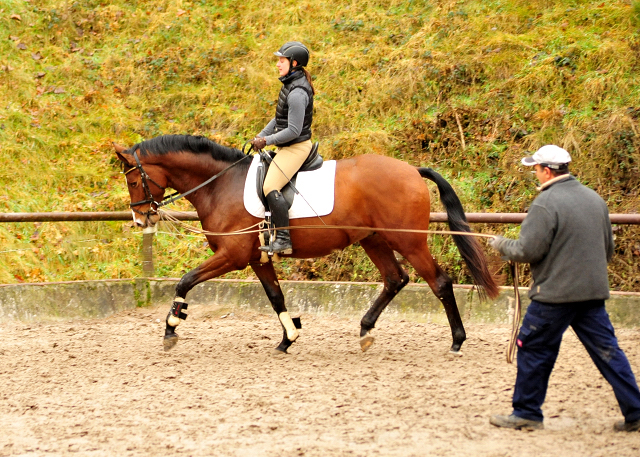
(515, 422)
(623, 426)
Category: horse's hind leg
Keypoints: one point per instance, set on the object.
(269, 280)
(394, 277)
(442, 287)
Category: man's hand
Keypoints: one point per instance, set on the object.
(496, 241)
(258, 143)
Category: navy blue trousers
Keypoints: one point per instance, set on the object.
(538, 345)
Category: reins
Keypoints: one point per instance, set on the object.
(169, 198)
(176, 196)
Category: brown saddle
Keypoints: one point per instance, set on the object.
(313, 162)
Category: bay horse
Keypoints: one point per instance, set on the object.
(371, 191)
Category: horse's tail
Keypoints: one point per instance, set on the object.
(468, 246)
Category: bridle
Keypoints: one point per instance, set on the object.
(144, 177)
(154, 205)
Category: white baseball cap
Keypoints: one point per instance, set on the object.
(550, 156)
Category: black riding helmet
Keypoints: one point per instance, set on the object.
(294, 50)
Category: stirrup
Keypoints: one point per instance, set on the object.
(271, 249)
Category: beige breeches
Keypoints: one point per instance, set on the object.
(286, 163)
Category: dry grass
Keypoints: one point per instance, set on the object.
(393, 77)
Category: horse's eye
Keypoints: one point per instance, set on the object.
(133, 184)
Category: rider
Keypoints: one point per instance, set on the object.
(290, 131)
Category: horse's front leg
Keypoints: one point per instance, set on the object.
(214, 266)
(269, 280)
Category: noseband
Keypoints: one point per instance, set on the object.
(154, 205)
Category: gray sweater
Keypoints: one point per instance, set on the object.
(297, 101)
(567, 239)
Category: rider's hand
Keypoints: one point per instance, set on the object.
(258, 143)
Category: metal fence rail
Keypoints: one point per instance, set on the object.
(147, 238)
(474, 218)
(87, 216)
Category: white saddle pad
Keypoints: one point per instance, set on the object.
(317, 187)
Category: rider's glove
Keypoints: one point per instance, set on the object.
(258, 143)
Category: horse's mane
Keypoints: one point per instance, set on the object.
(166, 144)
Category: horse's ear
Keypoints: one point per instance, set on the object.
(119, 148)
(124, 158)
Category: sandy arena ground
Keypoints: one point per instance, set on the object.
(106, 387)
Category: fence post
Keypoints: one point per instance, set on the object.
(147, 251)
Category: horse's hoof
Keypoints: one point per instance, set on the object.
(170, 341)
(455, 349)
(278, 353)
(366, 342)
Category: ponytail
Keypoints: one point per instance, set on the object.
(308, 75)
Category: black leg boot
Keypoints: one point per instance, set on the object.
(279, 218)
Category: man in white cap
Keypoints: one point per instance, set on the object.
(567, 239)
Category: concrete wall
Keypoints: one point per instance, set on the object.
(97, 299)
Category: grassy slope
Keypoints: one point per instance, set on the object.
(465, 87)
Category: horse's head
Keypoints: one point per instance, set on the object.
(146, 183)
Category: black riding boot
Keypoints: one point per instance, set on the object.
(279, 218)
